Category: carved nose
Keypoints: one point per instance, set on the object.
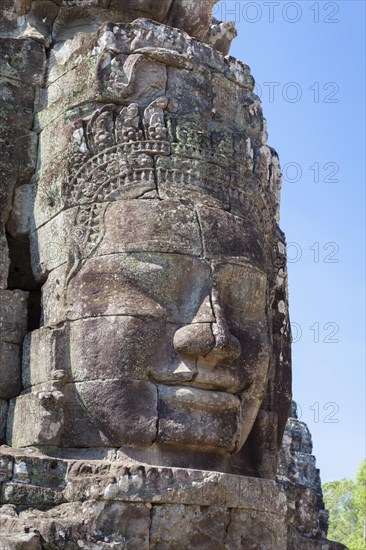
(226, 345)
(195, 339)
(213, 340)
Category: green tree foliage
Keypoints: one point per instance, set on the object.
(346, 502)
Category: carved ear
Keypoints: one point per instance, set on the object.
(277, 401)
(281, 337)
(261, 448)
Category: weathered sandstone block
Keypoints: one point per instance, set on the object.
(10, 370)
(13, 316)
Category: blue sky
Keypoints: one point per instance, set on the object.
(308, 59)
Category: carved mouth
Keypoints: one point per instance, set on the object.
(199, 399)
(201, 376)
(223, 378)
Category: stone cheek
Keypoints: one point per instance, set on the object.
(125, 411)
(160, 286)
(119, 347)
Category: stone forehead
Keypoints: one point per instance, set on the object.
(169, 226)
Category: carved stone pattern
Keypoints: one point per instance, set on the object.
(132, 156)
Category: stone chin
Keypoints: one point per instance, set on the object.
(210, 421)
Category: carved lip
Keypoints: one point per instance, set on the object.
(198, 399)
(192, 374)
(223, 378)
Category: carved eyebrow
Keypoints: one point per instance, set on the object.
(217, 265)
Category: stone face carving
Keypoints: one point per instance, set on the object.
(166, 271)
(160, 360)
